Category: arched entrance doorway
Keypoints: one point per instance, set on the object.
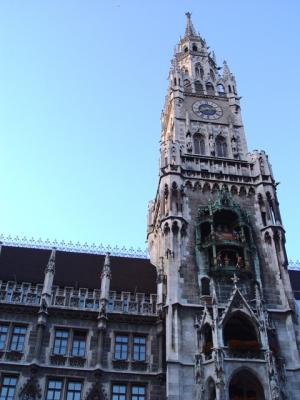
(245, 386)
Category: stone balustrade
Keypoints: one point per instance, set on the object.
(82, 298)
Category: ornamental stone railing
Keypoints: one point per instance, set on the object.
(24, 293)
(81, 299)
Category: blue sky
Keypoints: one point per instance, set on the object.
(82, 84)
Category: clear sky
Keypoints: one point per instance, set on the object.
(82, 85)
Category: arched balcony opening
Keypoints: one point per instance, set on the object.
(241, 337)
(245, 386)
(226, 225)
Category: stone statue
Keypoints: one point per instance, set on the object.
(211, 143)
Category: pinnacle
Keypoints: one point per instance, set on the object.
(189, 30)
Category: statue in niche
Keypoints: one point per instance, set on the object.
(211, 144)
(173, 155)
(234, 147)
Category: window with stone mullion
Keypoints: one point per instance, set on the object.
(138, 393)
(121, 347)
(3, 336)
(139, 348)
(73, 390)
(60, 345)
(54, 390)
(119, 392)
(8, 388)
(18, 338)
(78, 344)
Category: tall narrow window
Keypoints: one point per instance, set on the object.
(18, 338)
(199, 144)
(119, 392)
(78, 344)
(221, 147)
(73, 390)
(138, 392)
(212, 74)
(210, 88)
(139, 348)
(8, 388)
(121, 347)
(3, 336)
(54, 390)
(60, 342)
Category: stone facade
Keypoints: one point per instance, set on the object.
(216, 236)
(211, 316)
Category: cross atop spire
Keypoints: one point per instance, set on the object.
(189, 30)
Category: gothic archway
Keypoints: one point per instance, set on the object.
(244, 385)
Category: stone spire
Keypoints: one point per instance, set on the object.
(49, 276)
(105, 285)
(189, 30)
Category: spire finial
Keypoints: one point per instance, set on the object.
(189, 30)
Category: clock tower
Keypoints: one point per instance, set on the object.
(216, 238)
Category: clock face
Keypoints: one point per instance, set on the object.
(207, 109)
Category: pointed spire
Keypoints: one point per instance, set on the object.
(51, 263)
(226, 70)
(189, 30)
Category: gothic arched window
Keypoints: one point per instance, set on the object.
(195, 48)
(198, 87)
(210, 88)
(212, 74)
(221, 146)
(199, 144)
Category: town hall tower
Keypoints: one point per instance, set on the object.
(216, 238)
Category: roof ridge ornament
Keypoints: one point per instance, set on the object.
(77, 247)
